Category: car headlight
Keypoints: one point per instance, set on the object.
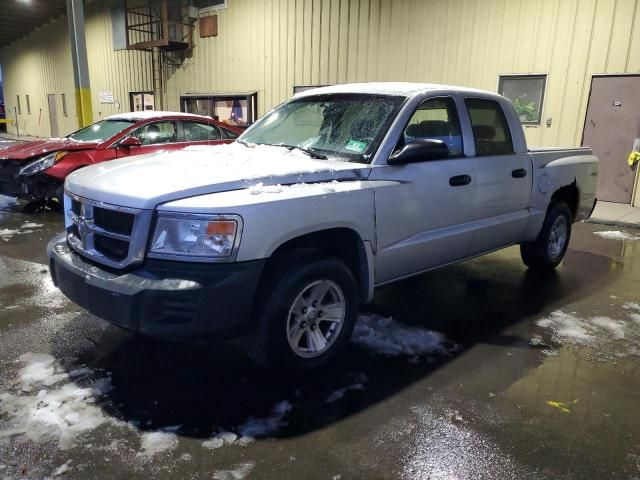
(42, 163)
(200, 236)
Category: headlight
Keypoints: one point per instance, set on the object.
(42, 163)
(198, 236)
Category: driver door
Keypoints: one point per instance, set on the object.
(154, 136)
(424, 212)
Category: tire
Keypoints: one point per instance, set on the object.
(288, 327)
(548, 250)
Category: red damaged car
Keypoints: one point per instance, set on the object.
(36, 170)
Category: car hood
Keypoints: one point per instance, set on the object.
(146, 181)
(38, 148)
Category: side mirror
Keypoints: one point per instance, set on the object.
(420, 151)
(130, 142)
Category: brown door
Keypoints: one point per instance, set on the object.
(611, 126)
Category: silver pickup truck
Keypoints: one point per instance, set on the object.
(279, 237)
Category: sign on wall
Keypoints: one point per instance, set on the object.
(106, 97)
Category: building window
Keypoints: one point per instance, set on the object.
(209, 5)
(63, 97)
(18, 104)
(238, 109)
(527, 94)
(28, 105)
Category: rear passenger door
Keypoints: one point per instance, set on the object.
(503, 178)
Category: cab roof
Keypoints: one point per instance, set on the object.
(390, 88)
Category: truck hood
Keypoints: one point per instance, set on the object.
(145, 181)
(38, 148)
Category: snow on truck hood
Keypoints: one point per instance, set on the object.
(145, 181)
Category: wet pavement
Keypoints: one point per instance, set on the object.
(537, 376)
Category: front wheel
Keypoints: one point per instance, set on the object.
(548, 250)
(305, 313)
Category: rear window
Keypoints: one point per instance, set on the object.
(101, 131)
(490, 128)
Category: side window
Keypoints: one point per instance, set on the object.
(490, 128)
(200, 132)
(157, 132)
(436, 119)
(228, 134)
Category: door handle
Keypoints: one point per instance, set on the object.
(519, 173)
(460, 180)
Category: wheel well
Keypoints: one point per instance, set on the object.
(568, 194)
(343, 243)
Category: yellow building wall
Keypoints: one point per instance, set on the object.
(271, 45)
(38, 65)
(115, 71)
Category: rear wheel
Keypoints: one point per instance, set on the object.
(304, 314)
(548, 250)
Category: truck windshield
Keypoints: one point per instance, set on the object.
(100, 131)
(350, 126)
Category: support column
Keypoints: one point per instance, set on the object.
(75, 14)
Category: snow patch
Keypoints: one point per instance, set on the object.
(157, 442)
(62, 469)
(631, 306)
(7, 233)
(262, 427)
(635, 317)
(617, 235)
(260, 188)
(31, 225)
(386, 336)
(338, 394)
(225, 438)
(567, 327)
(48, 405)
(607, 338)
(240, 472)
(615, 328)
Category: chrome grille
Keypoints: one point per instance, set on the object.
(109, 234)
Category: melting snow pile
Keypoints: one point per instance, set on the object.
(262, 427)
(386, 336)
(323, 187)
(338, 394)
(157, 442)
(617, 235)
(28, 227)
(48, 405)
(601, 332)
(238, 473)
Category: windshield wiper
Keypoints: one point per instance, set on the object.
(307, 151)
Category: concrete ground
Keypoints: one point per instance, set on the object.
(537, 376)
(616, 214)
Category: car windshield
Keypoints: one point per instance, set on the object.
(350, 126)
(100, 131)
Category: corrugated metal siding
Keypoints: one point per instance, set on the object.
(120, 71)
(271, 45)
(38, 65)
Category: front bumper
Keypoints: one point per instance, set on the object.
(33, 187)
(169, 300)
